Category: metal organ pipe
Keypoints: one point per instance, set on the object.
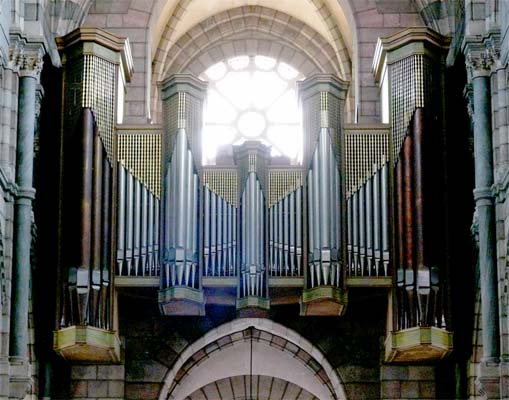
(298, 229)
(121, 219)
(206, 229)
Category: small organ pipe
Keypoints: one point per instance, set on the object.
(213, 241)
(194, 234)
(206, 229)
(298, 229)
(292, 232)
(136, 224)
(316, 209)
(121, 219)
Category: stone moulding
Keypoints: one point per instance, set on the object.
(87, 344)
(324, 301)
(418, 344)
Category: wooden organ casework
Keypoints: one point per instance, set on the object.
(409, 67)
(96, 66)
(141, 212)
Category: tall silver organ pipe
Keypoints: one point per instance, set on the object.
(219, 235)
(367, 226)
(286, 235)
(137, 227)
(324, 210)
(180, 225)
(253, 279)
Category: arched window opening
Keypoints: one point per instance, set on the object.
(252, 98)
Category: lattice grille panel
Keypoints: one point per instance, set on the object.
(413, 84)
(140, 154)
(366, 151)
(334, 123)
(223, 182)
(171, 109)
(282, 182)
(73, 92)
(184, 111)
(311, 122)
(99, 93)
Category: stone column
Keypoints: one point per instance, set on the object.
(29, 76)
(479, 65)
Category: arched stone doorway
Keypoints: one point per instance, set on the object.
(252, 352)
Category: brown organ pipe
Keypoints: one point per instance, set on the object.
(97, 200)
(85, 188)
(106, 242)
(408, 201)
(418, 144)
(96, 231)
(400, 213)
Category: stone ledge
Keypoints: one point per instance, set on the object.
(419, 344)
(87, 344)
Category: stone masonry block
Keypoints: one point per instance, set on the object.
(390, 390)
(421, 373)
(110, 372)
(84, 372)
(137, 391)
(79, 388)
(97, 389)
(116, 389)
(410, 390)
(394, 372)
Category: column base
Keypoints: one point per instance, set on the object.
(19, 379)
(87, 344)
(182, 301)
(323, 301)
(419, 344)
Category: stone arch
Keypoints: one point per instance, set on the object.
(244, 386)
(286, 355)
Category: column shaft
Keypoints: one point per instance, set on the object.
(23, 218)
(486, 214)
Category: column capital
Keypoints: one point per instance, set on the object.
(31, 64)
(26, 58)
(479, 63)
(482, 56)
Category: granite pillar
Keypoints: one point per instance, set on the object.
(23, 216)
(486, 213)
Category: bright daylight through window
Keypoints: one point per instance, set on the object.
(252, 98)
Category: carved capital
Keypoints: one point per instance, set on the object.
(15, 56)
(479, 63)
(31, 64)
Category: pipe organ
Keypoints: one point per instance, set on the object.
(363, 209)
